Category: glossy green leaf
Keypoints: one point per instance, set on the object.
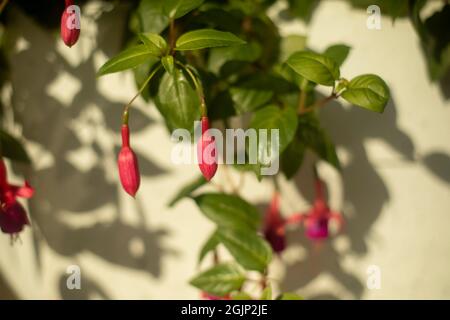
(218, 57)
(250, 250)
(368, 91)
(272, 117)
(187, 190)
(211, 244)
(168, 63)
(338, 52)
(229, 211)
(127, 59)
(12, 149)
(315, 67)
(177, 8)
(220, 280)
(156, 44)
(206, 38)
(178, 101)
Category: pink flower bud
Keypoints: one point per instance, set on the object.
(70, 24)
(128, 165)
(206, 152)
(13, 218)
(273, 225)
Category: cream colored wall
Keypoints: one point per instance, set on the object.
(397, 208)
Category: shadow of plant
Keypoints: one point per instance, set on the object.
(89, 124)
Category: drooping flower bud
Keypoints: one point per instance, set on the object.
(128, 165)
(273, 225)
(13, 218)
(206, 151)
(70, 24)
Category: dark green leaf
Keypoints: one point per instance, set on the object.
(314, 137)
(206, 38)
(229, 211)
(292, 157)
(314, 67)
(127, 59)
(303, 9)
(272, 117)
(220, 280)
(248, 52)
(211, 244)
(12, 149)
(250, 250)
(368, 91)
(187, 190)
(177, 101)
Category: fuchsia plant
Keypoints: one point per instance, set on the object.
(13, 217)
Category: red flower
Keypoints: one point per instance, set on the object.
(70, 24)
(128, 165)
(273, 225)
(206, 152)
(12, 215)
(316, 221)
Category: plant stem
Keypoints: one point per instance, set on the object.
(198, 87)
(125, 114)
(172, 36)
(301, 101)
(318, 104)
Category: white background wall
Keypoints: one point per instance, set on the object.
(394, 189)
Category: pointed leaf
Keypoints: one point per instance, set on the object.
(220, 280)
(127, 59)
(314, 67)
(155, 43)
(206, 38)
(177, 101)
(338, 52)
(229, 211)
(211, 244)
(12, 149)
(249, 249)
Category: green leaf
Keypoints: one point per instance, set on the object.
(272, 117)
(289, 296)
(211, 244)
(292, 157)
(267, 293)
(177, 8)
(187, 190)
(218, 57)
(12, 149)
(206, 38)
(315, 67)
(229, 211)
(141, 73)
(247, 99)
(151, 17)
(220, 280)
(178, 101)
(156, 44)
(303, 9)
(240, 296)
(338, 52)
(368, 91)
(127, 59)
(250, 250)
(168, 64)
(315, 137)
(290, 44)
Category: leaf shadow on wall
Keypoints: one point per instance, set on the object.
(67, 192)
(363, 189)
